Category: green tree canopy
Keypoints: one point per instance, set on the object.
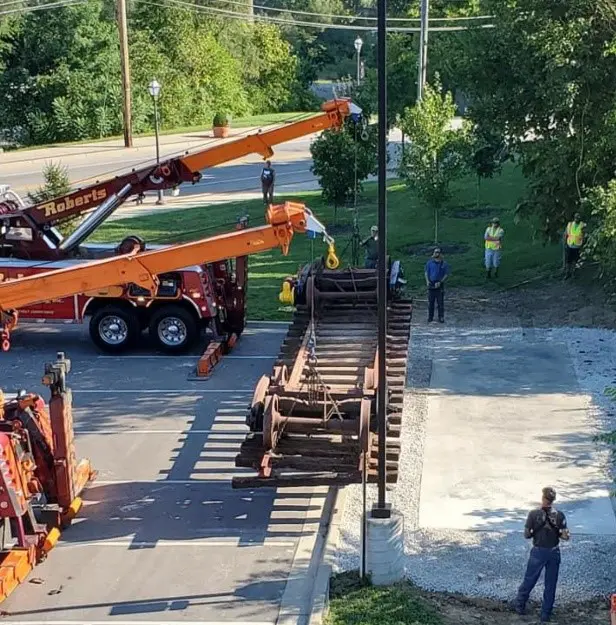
(436, 153)
(544, 79)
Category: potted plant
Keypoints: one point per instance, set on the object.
(221, 125)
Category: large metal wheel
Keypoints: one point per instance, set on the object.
(173, 328)
(255, 417)
(114, 328)
(271, 420)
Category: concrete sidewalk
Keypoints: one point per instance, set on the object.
(112, 145)
(504, 421)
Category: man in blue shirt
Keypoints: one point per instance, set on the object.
(436, 272)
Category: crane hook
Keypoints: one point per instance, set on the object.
(332, 262)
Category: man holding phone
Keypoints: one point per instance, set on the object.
(546, 526)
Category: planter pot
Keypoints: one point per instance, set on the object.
(221, 131)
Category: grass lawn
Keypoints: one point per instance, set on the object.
(353, 603)
(411, 235)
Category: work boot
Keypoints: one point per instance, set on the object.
(441, 320)
(489, 274)
(496, 273)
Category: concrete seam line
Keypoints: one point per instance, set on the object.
(296, 603)
(320, 601)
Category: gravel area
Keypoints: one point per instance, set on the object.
(478, 563)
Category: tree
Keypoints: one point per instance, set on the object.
(401, 77)
(436, 153)
(600, 245)
(544, 79)
(487, 155)
(57, 69)
(56, 183)
(334, 155)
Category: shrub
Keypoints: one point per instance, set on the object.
(221, 120)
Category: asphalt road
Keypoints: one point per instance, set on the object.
(87, 163)
(162, 537)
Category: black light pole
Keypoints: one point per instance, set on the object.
(381, 510)
(154, 89)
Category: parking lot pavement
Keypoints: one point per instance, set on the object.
(162, 536)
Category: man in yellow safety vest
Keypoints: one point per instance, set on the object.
(493, 238)
(574, 239)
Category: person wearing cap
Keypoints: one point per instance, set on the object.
(371, 244)
(546, 526)
(436, 273)
(493, 237)
(574, 239)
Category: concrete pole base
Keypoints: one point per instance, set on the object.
(385, 549)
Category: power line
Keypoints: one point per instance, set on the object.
(354, 17)
(323, 26)
(268, 18)
(42, 7)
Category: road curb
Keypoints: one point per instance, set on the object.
(320, 598)
(308, 581)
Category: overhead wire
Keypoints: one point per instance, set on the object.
(268, 19)
(350, 17)
(42, 7)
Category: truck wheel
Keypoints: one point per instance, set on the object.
(114, 328)
(173, 328)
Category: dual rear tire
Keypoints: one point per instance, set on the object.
(115, 328)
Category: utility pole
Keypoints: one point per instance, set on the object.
(127, 109)
(381, 509)
(423, 49)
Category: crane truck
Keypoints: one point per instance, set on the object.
(40, 478)
(186, 299)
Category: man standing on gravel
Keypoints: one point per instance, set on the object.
(436, 273)
(546, 526)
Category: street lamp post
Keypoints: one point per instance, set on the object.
(154, 89)
(358, 43)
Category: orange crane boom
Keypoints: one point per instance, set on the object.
(283, 221)
(29, 232)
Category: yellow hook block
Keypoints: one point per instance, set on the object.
(332, 262)
(286, 296)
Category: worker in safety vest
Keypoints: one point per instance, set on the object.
(493, 238)
(574, 239)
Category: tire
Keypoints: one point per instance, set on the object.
(114, 328)
(173, 329)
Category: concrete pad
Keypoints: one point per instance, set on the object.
(503, 422)
(169, 584)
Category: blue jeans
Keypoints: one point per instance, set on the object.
(539, 559)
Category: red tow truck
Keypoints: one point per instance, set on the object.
(185, 300)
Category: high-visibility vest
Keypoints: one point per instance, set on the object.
(575, 234)
(494, 232)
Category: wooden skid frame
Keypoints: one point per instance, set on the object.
(346, 340)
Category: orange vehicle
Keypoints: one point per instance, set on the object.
(37, 454)
(143, 268)
(40, 479)
(186, 299)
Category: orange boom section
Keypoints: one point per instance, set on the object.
(283, 221)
